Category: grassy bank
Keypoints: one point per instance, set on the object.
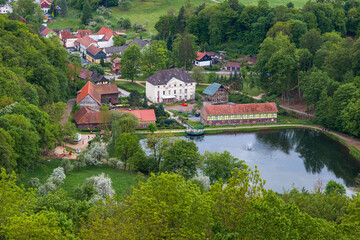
(122, 181)
(129, 87)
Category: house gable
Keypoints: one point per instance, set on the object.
(88, 101)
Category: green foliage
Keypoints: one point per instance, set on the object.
(184, 48)
(86, 15)
(95, 67)
(333, 187)
(152, 128)
(130, 62)
(134, 99)
(219, 165)
(126, 147)
(181, 157)
(155, 58)
(198, 74)
(119, 41)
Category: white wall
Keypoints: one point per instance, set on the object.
(174, 88)
(104, 44)
(70, 42)
(202, 63)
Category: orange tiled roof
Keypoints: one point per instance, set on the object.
(88, 89)
(104, 30)
(86, 41)
(106, 88)
(240, 108)
(67, 35)
(83, 33)
(200, 55)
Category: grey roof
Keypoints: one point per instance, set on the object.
(162, 77)
(119, 49)
(140, 42)
(211, 90)
(97, 77)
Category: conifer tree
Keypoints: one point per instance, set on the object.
(86, 13)
(63, 7)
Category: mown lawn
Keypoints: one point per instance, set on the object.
(121, 181)
(252, 91)
(128, 86)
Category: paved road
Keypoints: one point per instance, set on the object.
(123, 93)
(68, 109)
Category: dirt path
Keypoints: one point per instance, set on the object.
(69, 107)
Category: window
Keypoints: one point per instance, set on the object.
(174, 91)
(185, 90)
(158, 93)
(174, 85)
(180, 85)
(158, 86)
(180, 91)
(163, 92)
(169, 92)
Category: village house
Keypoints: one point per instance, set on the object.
(115, 66)
(216, 93)
(104, 37)
(83, 33)
(45, 5)
(94, 54)
(90, 118)
(142, 43)
(202, 60)
(233, 66)
(169, 86)
(247, 60)
(232, 114)
(67, 38)
(48, 33)
(145, 117)
(94, 96)
(81, 44)
(110, 51)
(6, 8)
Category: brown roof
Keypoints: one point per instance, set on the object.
(46, 31)
(85, 73)
(83, 33)
(90, 116)
(143, 115)
(107, 36)
(211, 53)
(240, 108)
(162, 77)
(116, 60)
(106, 88)
(250, 60)
(88, 89)
(93, 50)
(86, 41)
(233, 64)
(67, 35)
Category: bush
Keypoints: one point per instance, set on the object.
(34, 182)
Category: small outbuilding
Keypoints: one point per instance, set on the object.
(216, 93)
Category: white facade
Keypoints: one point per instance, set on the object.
(102, 43)
(6, 8)
(202, 63)
(175, 88)
(70, 42)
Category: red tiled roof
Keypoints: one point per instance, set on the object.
(83, 33)
(106, 88)
(89, 116)
(241, 108)
(107, 36)
(116, 60)
(46, 31)
(200, 55)
(67, 35)
(143, 115)
(233, 64)
(93, 50)
(84, 73)
(88, 89)
(86, 41)
(105, 30)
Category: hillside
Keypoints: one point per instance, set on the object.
(148, 12)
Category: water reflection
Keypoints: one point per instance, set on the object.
(316, 150)
(285, 157)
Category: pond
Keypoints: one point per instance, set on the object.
(288, 158)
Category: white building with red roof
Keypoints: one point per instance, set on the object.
(81, 44)
(6, 8)
(68, 39)
(48, 33)
(104, 37)
(202, 60)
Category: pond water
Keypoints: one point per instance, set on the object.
(288, 158)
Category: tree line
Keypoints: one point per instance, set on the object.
(34, 82)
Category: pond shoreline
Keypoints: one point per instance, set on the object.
(352, 144)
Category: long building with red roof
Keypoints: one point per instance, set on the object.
(233, 114)
(202, 59)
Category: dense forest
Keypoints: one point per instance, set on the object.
(34, 82)
(310, 54)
